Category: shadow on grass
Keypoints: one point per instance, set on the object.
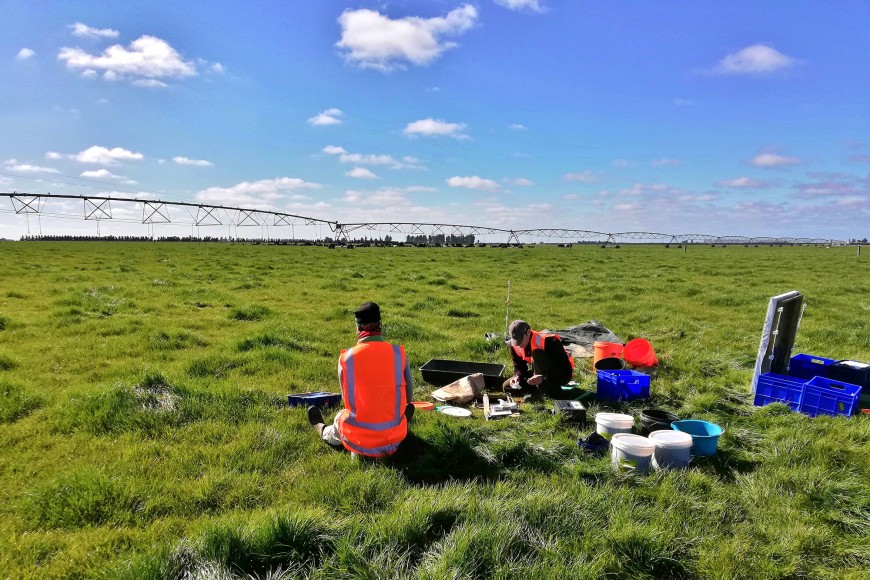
(443, 453)
(727, 463)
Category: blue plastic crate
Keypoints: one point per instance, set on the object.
(774, 388)
(829, 397)
(314, 399)
(622, 385)
(807, 366)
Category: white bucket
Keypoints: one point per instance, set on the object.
(609, 424)
(673, 449)
(631, 452)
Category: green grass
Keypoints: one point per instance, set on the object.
(144, 431)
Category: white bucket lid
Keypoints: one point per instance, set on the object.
(456, 412)
(670, 439)
(634, 444)
(617, 420)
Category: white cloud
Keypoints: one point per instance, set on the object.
(433, 127)
(755, 59)
(841, 185)
(473, 182)
(98, 154)
(217, 68)
(582, 177)
(372, 40)
(334, 150)
(520, 181)
(327, 117)
(261, 194)
(148, 57)
(150, 83)
(517, 127)
(533, 5)
(773, 160)
(361, 173)
(24, 54)
(743, 183)
(101, 174)
(368, 159)
(84, 31)
(192, 162)
(571, 196)
(622, 163)
(665, 162)
(14, 165)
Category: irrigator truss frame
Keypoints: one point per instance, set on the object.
(154, 212)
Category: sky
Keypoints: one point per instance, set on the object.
(728, 118)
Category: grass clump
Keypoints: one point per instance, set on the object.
(274, 545)
(16, 402)
(154, 407)
(82, 497)
(7, 363)
(271, 341)
(251, 313)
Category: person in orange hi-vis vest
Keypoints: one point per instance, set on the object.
(377, 391)
(540, 360)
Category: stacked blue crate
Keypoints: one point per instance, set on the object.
(824, 396)
(622, 385)
(774, 388)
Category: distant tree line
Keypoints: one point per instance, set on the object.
(440, 239)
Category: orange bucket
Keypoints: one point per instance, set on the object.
(639, 353)
(423, 405)
(606, 350)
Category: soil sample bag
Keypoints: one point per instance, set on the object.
(461, 391)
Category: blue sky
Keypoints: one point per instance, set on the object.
(729, 118)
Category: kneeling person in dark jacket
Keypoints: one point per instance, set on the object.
(551, 366)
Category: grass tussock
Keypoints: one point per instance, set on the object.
(17, 402)
(252, 313)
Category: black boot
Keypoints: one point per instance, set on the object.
(409, 411)
(315, 416)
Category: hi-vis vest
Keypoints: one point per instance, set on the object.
(373, 386)
(537, 343)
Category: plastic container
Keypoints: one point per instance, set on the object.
(442, 372)
(314, 399)
(631, 452)
(423, 405)
(673, 449)
(639, 353)
(705, 435)
(622, 385)
(655, 420)
(829, 397)
(807, 366)
(609, 424)
(774, 388)
(609, 364)
(570, 410)
(602, 350)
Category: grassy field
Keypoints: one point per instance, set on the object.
(145, 434)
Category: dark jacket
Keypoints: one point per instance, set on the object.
(552, 361)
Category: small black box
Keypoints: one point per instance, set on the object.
(570, 410)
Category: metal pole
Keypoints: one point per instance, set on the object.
(507, 311)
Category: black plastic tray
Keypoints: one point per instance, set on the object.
(441, 372)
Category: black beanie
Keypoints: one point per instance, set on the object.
(368, 313)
